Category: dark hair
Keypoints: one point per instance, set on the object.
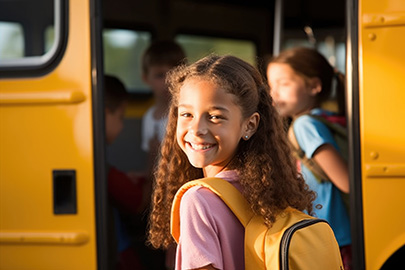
(309, 63)
(114, 92)
(164, 52)
(265, 165)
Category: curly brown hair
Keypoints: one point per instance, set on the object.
(269, 177)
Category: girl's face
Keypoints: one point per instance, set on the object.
(209, 125)
(291, 95)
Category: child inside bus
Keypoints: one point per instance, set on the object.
(124, 189)
(221, 123)
(301, 80)
(158, 59)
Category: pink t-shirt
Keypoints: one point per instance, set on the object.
(209, 232)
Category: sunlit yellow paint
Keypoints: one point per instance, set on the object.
(46, 124)
(58, 238)
(51, 97)
(382, 95)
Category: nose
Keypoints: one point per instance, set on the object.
(198, 126)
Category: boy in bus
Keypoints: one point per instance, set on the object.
(124, 189)
(157, 60)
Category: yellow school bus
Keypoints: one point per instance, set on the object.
(51, 173)
(54, 53)
(375, 73)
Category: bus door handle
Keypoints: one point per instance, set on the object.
(64, 192)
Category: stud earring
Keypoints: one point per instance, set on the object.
(246, 137)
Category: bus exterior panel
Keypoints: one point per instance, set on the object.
(382, 95)
(46, 128)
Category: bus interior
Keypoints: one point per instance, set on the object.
(242, 28)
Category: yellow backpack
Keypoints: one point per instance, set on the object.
(295, 241)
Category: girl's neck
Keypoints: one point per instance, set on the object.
(306, 111)
(211, 171)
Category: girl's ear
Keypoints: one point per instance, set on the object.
(315, 86)
(251, 125)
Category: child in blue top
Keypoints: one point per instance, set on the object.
(300, 81)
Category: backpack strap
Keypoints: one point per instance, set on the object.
(311, 164)
(223, 189)
(335, 127)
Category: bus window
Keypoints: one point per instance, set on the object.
(12, 41)
(123, 51)
(33, 36)
(197, 47)
(49, 37)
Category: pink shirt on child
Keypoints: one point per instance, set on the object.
(209, 232)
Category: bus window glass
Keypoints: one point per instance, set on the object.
(27, 47)
(49, 38)
(197, 47)
(123, 51)
(11, 41)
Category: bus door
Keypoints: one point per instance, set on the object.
(50, 155)
(376, 92)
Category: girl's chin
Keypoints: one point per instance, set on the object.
(197, 165)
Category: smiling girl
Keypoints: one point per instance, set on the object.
(221, 124)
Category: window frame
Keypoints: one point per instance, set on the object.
(34, 66)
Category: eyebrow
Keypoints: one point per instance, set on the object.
(219, 108)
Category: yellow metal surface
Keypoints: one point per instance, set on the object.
(50, 97)
(381, 170)
(45, 125)
(383, 20)
(382, 95)
(61, 238)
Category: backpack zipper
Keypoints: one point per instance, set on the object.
(286, 239)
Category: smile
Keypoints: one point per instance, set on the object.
(200, 146)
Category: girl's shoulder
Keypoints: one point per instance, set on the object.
(306, 122)
(311, 132)
(311, 120)
(204, 197)
(201, 204)
(199, 197)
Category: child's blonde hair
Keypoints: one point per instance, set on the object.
(266, 168)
